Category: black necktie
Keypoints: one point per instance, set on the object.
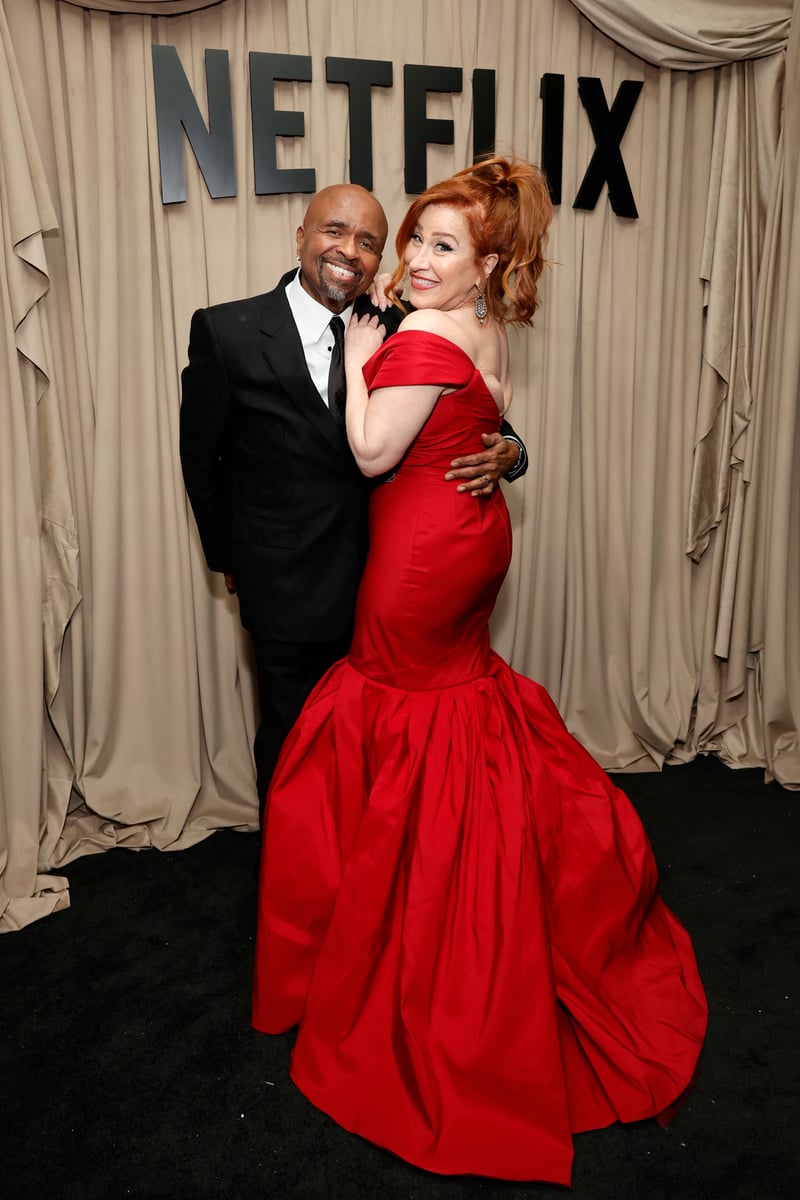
(336, 379)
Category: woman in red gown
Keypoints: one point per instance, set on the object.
(457, 907)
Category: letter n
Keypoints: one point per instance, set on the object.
(177, 111)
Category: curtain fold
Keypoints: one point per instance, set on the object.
(773, 543)
(746, 134)
(745, 179)
(693, 34)
(39, 587)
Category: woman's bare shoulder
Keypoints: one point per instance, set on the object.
(441, 323)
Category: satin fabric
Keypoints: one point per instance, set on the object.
(457, 906)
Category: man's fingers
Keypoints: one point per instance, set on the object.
(471, 460)
(478, 471)
(481, 486)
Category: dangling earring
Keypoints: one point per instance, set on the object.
(481, 310)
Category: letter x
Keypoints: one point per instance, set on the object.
(608, 127)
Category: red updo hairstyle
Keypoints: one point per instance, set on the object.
(507, 207)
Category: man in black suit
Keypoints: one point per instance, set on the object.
(279, 502)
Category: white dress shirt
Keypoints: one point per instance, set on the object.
(313, 321)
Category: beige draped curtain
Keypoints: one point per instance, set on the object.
(688, 35)
(38, 578)
(653, 583)
(748, 209)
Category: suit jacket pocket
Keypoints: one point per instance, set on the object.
(260, 531)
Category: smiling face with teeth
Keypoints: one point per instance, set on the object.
(340, 244)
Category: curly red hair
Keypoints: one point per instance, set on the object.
(507, 207)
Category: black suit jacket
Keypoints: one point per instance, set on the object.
(279, 501)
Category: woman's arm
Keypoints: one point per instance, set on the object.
(380, 426)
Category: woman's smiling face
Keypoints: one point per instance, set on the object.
(440, 258)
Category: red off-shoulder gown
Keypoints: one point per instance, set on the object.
(457, 907)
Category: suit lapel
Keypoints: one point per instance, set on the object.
(284, 352)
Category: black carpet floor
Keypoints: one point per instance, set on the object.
(128, 1067)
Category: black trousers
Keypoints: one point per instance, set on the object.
(287, 674)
